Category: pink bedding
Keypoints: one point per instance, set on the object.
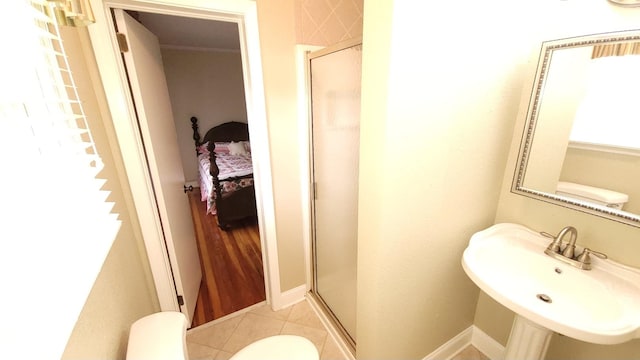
(231, 168)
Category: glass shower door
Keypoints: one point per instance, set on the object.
(335, 108)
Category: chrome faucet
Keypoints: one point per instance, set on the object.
(567, 254)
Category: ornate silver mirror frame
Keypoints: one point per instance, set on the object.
(547, 51)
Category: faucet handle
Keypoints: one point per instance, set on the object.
(555, 246)
(586, 259)
(569, 251)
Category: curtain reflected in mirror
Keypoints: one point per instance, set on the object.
(581, 132)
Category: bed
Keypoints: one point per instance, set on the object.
(226, 173)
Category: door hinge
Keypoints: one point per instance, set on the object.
(180, 300)
(122, 42)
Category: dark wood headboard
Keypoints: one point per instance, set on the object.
(229, 131)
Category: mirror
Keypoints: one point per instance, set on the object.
(581, 139)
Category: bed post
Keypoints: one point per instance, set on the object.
(214, 171)
(196, 134)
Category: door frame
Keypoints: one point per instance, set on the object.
(304, 137)
(120, 103)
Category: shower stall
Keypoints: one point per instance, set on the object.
(335, 74)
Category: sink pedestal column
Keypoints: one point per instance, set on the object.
(527, 341)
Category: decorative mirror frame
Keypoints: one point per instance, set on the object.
(626, 3)
(544, 59)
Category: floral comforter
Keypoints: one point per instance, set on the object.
(234, 170)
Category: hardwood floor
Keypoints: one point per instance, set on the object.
(232, 274)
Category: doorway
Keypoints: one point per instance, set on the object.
(204, 78)
(114, 79)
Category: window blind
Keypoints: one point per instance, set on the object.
(57, 222)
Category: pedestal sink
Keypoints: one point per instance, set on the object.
(601, 305)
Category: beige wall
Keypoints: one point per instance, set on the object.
(205, 84)
(277, 40)
(440, 92)
(619, 241)
(123, 291)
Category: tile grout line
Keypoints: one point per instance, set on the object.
(298, 319)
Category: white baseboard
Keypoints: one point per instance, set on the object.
(289, 297)
(470, 336)
(486, 344)
(453, 346)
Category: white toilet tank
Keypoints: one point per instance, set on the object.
(159, 336)
(605, 197)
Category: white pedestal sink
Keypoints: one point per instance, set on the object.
(527, 340)
(601, 305)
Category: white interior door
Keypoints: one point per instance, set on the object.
(153, 107)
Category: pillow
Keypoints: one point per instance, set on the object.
(221, 147)
(237, 148)
(247, 146)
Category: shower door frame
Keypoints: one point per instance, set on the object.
(312, 276)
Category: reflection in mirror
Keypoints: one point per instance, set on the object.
(581, 141)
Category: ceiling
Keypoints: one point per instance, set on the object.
(178, 31)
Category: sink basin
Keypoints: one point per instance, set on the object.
(601, 305)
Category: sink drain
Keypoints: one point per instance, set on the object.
(544, 297)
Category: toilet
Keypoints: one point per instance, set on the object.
(599, 196)
(162, 336)
(279, 347)
(159, 336)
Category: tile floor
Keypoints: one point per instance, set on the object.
(219, 340)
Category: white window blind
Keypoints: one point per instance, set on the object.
(57, 226)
